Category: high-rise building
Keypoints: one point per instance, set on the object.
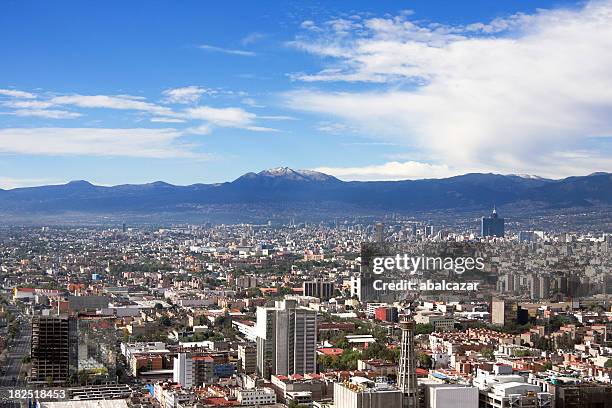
(498, 312)
(406, 373)
(194, 369)
(247, 354)
(379, 230)
(534, 287)
(319, 288)
(544, 286)
(54, 348)
(286, 339)
(492, 226)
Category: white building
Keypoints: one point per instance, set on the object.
(256, 396)
(361, 392)
(286, 339)
(182, 371)
(501, 391)
(450, 395)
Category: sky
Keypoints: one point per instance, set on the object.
(187, 92)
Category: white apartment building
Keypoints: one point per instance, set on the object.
(286, 339)
(256, 396)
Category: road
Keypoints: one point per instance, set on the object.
(17, 349)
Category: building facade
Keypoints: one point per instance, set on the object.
(286, 339)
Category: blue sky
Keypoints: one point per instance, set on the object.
(186, 92)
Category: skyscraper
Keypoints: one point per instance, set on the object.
(406, 374)
(53, 349)
(379, 230)
(286, 339)
(492, 226)
(319, 288)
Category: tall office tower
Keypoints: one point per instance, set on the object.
(505, 284)
(534, 287)
(379, 232)
(517, 283)
(286, 339)
(498, 312)
(54, 349)
(406, 373)
(182, 370)
(319, 288)
(562, 285)
(492, 226)
(544, 286)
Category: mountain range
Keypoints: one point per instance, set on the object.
(285, 188)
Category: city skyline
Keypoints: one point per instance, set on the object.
(195, 94)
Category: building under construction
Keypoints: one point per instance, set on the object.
(53, 352)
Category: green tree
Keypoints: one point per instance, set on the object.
(425, 360)
(348, 359)
(488, 353)
(165, 320)
(423, 328)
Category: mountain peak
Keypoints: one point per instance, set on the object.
(298, 175)
(79, 183)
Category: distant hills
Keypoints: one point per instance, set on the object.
(286, 188)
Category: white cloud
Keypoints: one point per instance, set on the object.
(253, 38)
(17, 94)
(125, 102)
(27, 104)
(12, 182)
(251, 102)
(46, 113)
(226, 117)
(229, 51)
(132, 142)
(390, 171)
(335, 128)
(186, 95)
(515, 94)
(199, 130)
(166, 120)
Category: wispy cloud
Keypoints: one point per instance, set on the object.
(251, 102)
(514, 94)
(17, 94)
(123, 102)
(27, 104)
(390, 171)
(166, 120)
(252, 38)
(127, 142)
(46, 113)
(226, 117)
(13, 182)
(184, 95)
(230, 51)
(335, 128)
